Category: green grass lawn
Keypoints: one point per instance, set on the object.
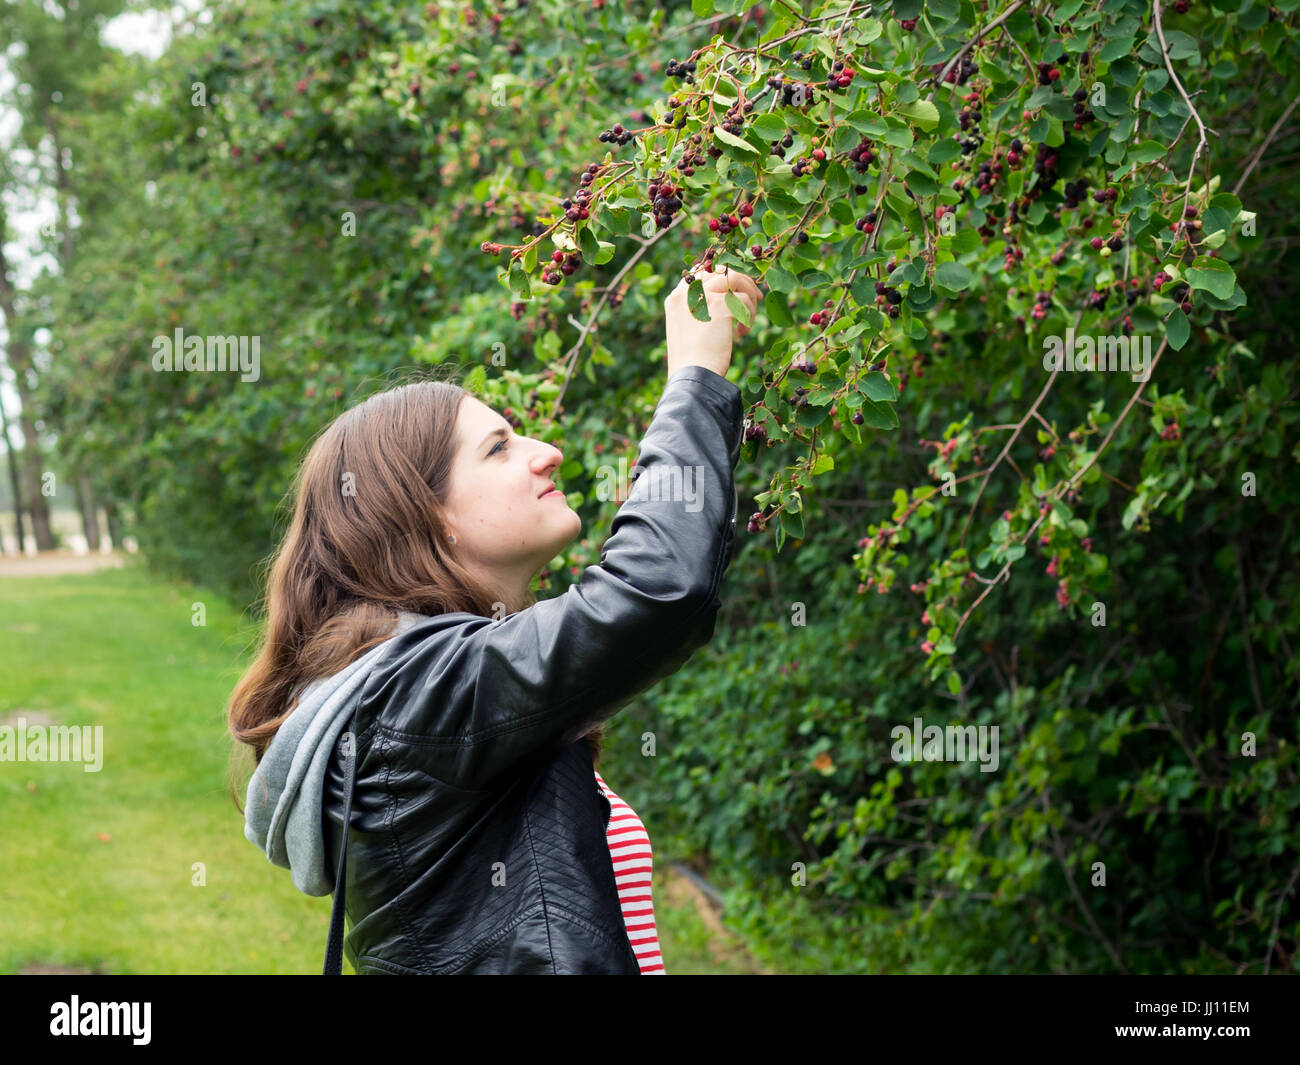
(142, 867)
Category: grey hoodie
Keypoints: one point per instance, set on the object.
(282, 808)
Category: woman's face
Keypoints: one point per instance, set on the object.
(507, 519)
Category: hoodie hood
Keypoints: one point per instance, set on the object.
(284, 801)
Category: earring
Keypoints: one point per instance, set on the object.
(452, 539)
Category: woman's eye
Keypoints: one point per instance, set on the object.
(497, 448)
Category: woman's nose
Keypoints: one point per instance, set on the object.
(551, 456)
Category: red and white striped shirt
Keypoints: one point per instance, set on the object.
(629, 849)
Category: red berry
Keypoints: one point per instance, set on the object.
(1097, 243)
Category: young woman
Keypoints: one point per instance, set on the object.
(413, 701)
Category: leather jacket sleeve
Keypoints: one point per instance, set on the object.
(484, 695)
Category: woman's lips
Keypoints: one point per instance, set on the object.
(552, 492)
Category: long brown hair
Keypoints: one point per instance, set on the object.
(366, 540)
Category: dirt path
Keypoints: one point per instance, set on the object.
(54, 563)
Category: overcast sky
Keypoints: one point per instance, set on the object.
(148, 33)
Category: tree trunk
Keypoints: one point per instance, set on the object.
(36, 505)
(89, 509)
(20, 359)
(14, 484)
(114, 526)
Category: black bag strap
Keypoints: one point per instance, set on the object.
(334, 952)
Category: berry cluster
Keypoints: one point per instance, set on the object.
(867, 223)
(567, 264)
(779, 147)
(1041, 305)
(818, 318)
(909, 24)
(724, 223)
(790, 89)
(962, 72)
(666, 201)
(862, 156)
(671, 117)
(804, 59)
(988, 175)
(756, 432)
(616, 135)
(1045, 162)
(1170, 431)
(1082, 114)
(575, 210)
(1075, 191)
(802, 165)
(693, 155)
(684, 70)
(840, 76)
(891, 297)
(1048, 74)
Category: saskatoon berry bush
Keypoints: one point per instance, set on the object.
(939, 517)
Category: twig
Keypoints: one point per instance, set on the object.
(1059, 850)
(1277, 915)
(1245, 636)
(572, 353)
(1203, 140)
(971, 44)
(1259, 152)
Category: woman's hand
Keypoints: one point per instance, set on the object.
(708, 344)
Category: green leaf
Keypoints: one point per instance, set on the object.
(697, 301)
(1213, 275)
(879, 415)
(920, 113)
(702, 7)
(1179, 329)
(737, 308)
(867, 123)
(952, 276)
(778, 312)
(780, 280)
(769, 126)
(898, 137)
(738, 143)
(519, 283)
(879, 388)
(954, 682)
(965, 240)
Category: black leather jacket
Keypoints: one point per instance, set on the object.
(477, 837)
